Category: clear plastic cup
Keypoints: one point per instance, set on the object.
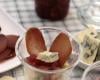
(92, 72)
(33, 73)
(88, 12)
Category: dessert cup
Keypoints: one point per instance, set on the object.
(33, 73)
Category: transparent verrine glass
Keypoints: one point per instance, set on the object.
(33, 73)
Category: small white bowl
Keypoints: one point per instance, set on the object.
(92, 72)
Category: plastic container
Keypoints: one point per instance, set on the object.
(33, 73)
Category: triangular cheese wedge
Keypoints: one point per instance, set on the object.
(89, 49)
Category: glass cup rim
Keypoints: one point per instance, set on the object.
(92, 66)
(37, 69)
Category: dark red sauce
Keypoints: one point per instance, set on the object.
(42, 65)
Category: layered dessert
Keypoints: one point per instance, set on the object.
(44, 59)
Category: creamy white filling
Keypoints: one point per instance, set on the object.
(48, 57)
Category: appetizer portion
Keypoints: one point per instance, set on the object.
(48, 59)
(90, 44)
